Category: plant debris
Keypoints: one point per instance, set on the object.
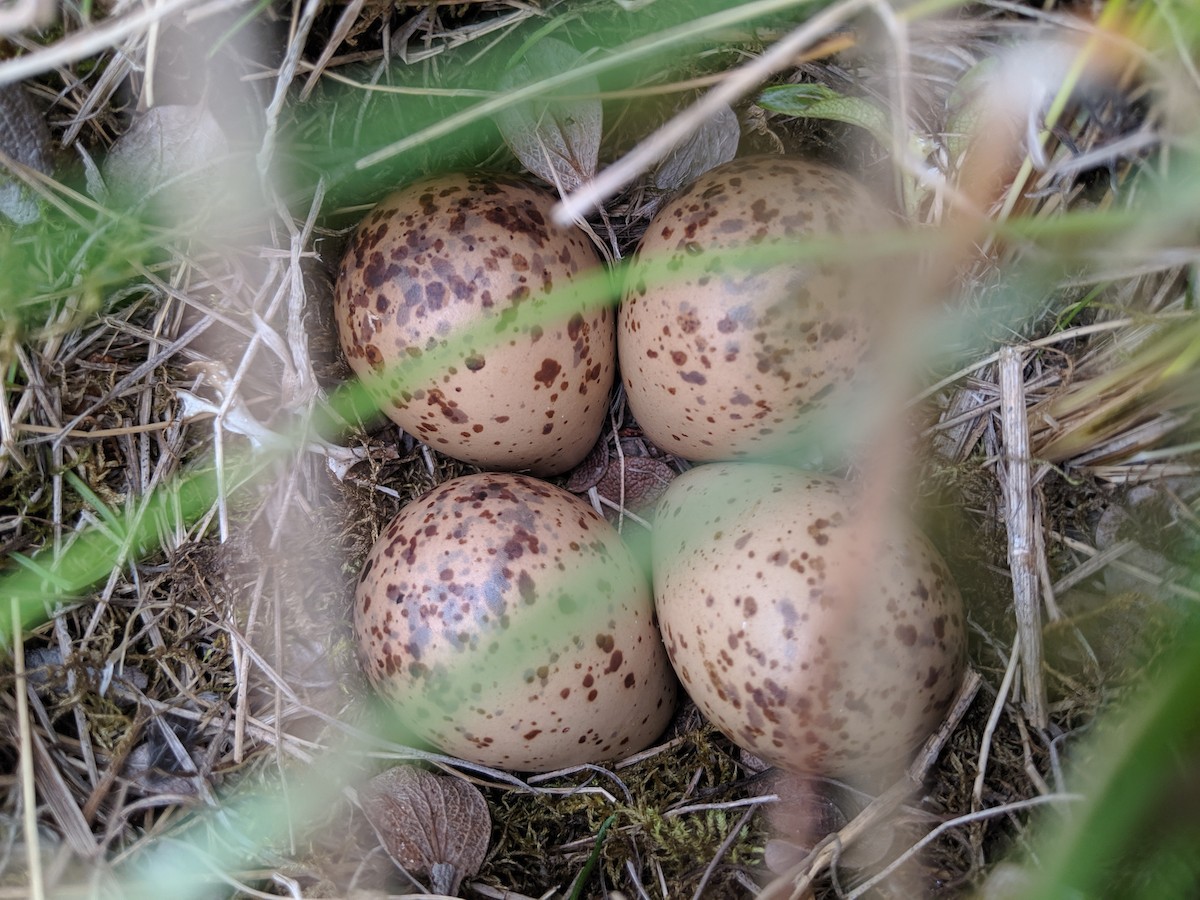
(25, 138)
(556, 138)
(434, 826)
(167, 145)
(714, 142)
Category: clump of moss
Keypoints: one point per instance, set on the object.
(544, 840)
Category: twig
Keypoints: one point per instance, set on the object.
(287, 74)
(754, 802)
(1031, 769)
(343, 27)
(1018, 503)
(1090, 567)
(1120, 565)
(55, 790)
(1049, 595)
(985, 743)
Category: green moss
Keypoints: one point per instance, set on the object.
(544, 840)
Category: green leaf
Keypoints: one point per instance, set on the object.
(586, 873)
(819, 101)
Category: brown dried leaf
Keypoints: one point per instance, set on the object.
(25, 137)
(713, 143)
(557, 139)
(166, 144)
(645, 480)
(588, 473)
(431, 825)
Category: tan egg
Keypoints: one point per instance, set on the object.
(814, 640)
(508, 624)
(466, 251)
(721, 356)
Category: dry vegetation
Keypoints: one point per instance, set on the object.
(187, 512)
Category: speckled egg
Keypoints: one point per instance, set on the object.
(508, 624)
(722, 356)
(815, 639)
(466, 251)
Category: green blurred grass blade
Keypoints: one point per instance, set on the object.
(50, 577)
(1138, 832)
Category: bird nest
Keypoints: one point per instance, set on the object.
(188, 487)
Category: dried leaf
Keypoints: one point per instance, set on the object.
(555, 137)
(169, 758)
(25, 137)
(635, 445)
(713, 143)
(588, 473)
(434, 826)
(165, 144)
(646, 480)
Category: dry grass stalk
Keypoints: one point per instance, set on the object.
(1019, 521)
(989, 732)
(1127, 400)
(345, 23)
(1151, 579)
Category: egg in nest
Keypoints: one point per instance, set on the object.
(508, 624)
(460, 255)
(725, 341)
(818, 636)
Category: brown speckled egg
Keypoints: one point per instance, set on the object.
(722, 357)
(509, 625)
(817, 641)
(466, 251)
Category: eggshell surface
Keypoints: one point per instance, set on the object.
(816, 639)
(723, 353)
(467, 251)
(509, 625)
